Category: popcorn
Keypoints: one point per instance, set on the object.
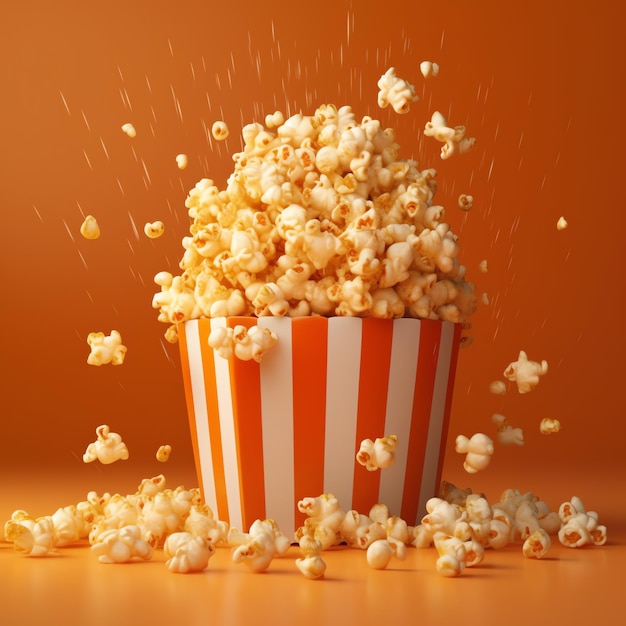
(219, 130)
(525, 373)
(561, 223)
(244, 343)
(106, 349)
(163, 453)
(31, 537)
(549, 425)
(107, 448)
(260, 545)
(452, 555)
(466, 202)
(182, 160)
(478, 450)
(377, 454)
(396, 92)
(311, 563)
(380, 552)
(129, 129)
(187, 553)
(497, 387)
(537, 545)
(453, 138)
(89, 229)
(482, 266)
(324, 519)
(154, 230)
(507, 435)
(121, 545)
(429, 69)
(579, 527)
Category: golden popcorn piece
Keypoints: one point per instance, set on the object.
(154, 230)
(525, 373)
(396, 92)
(537, 545)
(107, 448)
(129, 129)
(220, 130)
(187, 553)
(377, 454)
(182, 160)
(549, 425)
(561, 223)
(105, 349)
(89, 229)
(466, 202)
(429, 69)
(478, 450)
(163, 453)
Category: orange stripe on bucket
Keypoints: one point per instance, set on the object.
(374, 378)
(191, 413)
(245, 386)
(217, 455)
(309, 343)
(430, 336)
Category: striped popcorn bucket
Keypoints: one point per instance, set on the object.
(266, 435)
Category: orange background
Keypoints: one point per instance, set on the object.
(541, 87)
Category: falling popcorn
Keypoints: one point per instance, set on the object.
(219, 130)
(182, 161)
(163, 453)
(453, 138)
(497, 387)
(429, 69)
(107, 448)
(106, 349)
(89, 229)
(466, 202)
(478, 450)
(561, 223)
(525, 373)
(549, 425)
(507, 435)
(129, 129)
(396, 92)
(154, 230)
(482, 266)
(377, 454)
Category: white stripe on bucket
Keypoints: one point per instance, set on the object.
(435, 425)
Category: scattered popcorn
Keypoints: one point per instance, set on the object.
(537, 545)
(466, 202)
(497, 387)
(187, 553)
(129, 129)
(154, 230)
(31, 537)
(260, 545)
(429, 69)
(219, 130)
(525, 373)
(89, 229)
(561, 223)
(485, 299)
(107, 448)
(578, 526)
(121, 545)
(482, 266)
(163, 453)
(549, 425)
(478, 451)
(182, 160)
(106, 349)
(507, 435)
(324, 519)
(396, 92)
(452, 555)
(379, 553)
(311, 563)
(377, 454)
(453, 138)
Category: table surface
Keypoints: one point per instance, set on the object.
(571, 585)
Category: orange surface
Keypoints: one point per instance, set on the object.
(541, 85)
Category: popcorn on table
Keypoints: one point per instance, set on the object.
(525, 373)
(187, 553)
(107, 448)
(106, 349)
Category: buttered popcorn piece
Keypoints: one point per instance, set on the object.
(121, 545)
(311, 563)
(107, 448)
(90, 229)
(497, 387)
(129, 129)
(478, 450)
(453, 138)
(182, 160)
(580, 527)
(30, 536)
(380, 552)
(525, 373)
(106, 349)
(396, 92)
(220, 130)
(429, 69)
(549, 425)
(377, 454)
(466, 202)
(187, 553)
(154, 230)
(537, 545)
(561, 223)
(163, 453)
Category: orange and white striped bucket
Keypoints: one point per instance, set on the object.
(266, 435)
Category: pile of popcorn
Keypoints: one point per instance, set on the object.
(320, 216)
(462, 526)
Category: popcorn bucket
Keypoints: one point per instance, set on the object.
(266, 435)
